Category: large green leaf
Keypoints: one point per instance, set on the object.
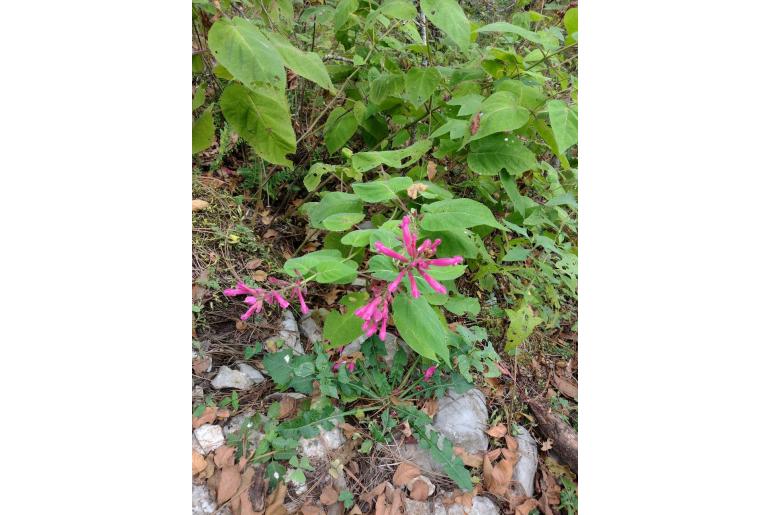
(203, 132)
(380, 191)
(341, 221)
(420, 327)
(469, 104)
(571, 24)
(334, 203)
(304, 64)
(364, 161)
(398, 10)
(500, 151)
(501, 112)
(343, 11)
(328, 264)
(340, 127)
(502, 26)
(386, 85)
(420, 84)
(261, 116)
(522, 322)
(341, 329)
(564, 123)
(525, 95)
(246, 53)
(457, 214)
(448, 16)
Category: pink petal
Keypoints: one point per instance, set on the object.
(351, 366)
(393, 286)
(383, 327)
(281, 301)
(413, 284)
(424, 245)
(409, 239)
(302, 306)
(256, 307)
(445, 261)
(429, 373)
(382, 249)
(432, 282)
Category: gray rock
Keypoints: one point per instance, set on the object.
(251, 372)
(524, 472)
(203, 502)
(310, 330)
(234, 425)
(229, 378)
(392, 342)
(323, 445)
(197, 392)
(196, 446)
(210, 437)
(417, 507)
(463, 419)
(289, 333)
(481, 506)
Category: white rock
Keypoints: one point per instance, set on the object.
(210, 437)
(289, 333)
(309, 328)
(196, 446)
(417, 507)
(298, 488)
(229, 378)
(464, 419)
(392, 342)
(197, 392)
(526, 467)
(481, 506)
(234, 425)
(251, 372)
(358, 281)
(203, 502)
(323, 445)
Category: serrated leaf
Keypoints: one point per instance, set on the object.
(420, 327)
(499, 151)
(448, 16)
(461, 304)
(457, 214)
(261, 116)
(247, 54)
(382, 190)
(522, 323)
(305, 64)
(203, 132)
(564, 124)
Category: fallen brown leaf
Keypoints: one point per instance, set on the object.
(381, 506)
(498, 478)
(259, 275)
(201, 365)
(275, 501)
(309, 509)
(475, 122)
(331, 297)
(566, 387)
(431, 170)
(198, 205)
(253, 264)
(419, 490)
(430, 407)
(547, 445)
(526, 507)
(269, 234)
(471, 460)
(329, 495)
(228, 483)
(223, 414)
(494, 454)
(405, 473)
(511, 443)
(288, 407)
(498, 431)
(415, 189)
(208, 416)
(198, 463)
(374, 492)
(407, 430)
(224, 456)
(356, 511)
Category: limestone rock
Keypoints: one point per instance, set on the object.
(229, 378)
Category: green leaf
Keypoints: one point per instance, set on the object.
(517, 254)
(442, 451)
(342, 13)
(305, 64)
(461, 304)
(499, 151)
(246, 53)
(332, 204)
(398, 10)
(522, 322)
(364, 161)
(386, 85)
(199, 97)
(366, 446)
(328, 263)
(570, 21)
(381, 267)
(380, 191)
(203, 132)
(342, 221)
(502, 26)
(261, 117)
(448, 16)
(469, 104)
(563, 200)
(313, 177)
(501, 112)
(454, 243)
(564, 124)
(420, 327)
(277, 366)
(457, 214)
(421, 84)
(339, 128)
(527, 96)
(341, 329)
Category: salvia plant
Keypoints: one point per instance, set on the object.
(431, 148)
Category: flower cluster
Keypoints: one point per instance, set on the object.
(256, 298)
(418, 260)
(375, 313)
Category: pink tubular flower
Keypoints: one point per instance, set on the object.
(429, 373)
(375, 314)
(257, 297)
(419, 260)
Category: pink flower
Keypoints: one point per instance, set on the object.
(429, 373)
(257, 297)
(418, 260)
(375, 314)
